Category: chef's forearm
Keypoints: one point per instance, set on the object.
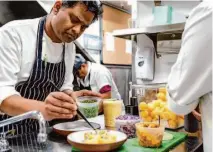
(15, 105)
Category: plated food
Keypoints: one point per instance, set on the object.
(105, 140)
(99, 137)
(149, 134)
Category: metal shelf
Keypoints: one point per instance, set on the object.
(168, 28)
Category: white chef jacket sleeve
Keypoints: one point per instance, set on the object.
(191, 75)
(103, 78)
(69, 62)
(10, 62)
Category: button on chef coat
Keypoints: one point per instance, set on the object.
(191, 75)
(18, 48)
(99, 77)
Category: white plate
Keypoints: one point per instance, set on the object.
(69, 127)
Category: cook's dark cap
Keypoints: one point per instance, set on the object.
(79, 60)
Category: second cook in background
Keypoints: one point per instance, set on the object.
(95, 77)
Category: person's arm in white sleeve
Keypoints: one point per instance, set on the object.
(104, 83)
(10, 62)
(191, 75)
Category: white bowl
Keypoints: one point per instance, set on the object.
(76, 140)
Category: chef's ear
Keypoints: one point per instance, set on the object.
(57, 6)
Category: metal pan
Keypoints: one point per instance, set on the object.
(70, 127)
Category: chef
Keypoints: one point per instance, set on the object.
(37, 54)
(190, 80)
(95, 77)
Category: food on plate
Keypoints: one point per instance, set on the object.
(149, 134)
(167, 136)
(101, 137)
(126, 124)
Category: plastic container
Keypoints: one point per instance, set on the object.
(126, 124)
(149, 134)
(88, 106)
(153, 105)
(112, 109)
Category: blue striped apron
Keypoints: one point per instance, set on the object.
(37, 87)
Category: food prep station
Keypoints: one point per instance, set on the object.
(139, 90)
(56, 142)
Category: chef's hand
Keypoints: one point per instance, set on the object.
(86, 93)
(197, 115)
(59, 105)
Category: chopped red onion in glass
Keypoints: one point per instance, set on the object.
(126, 124)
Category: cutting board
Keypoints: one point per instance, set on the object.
(132, 145)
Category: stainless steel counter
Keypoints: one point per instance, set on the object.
(57, 143)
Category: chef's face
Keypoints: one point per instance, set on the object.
(69, 23)
(82, 72)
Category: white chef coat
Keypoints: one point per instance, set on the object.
(18, 48)
(100, 76)
(191, 75)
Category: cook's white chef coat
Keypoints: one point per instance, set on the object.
(191, 76)
(17, 55)
(100, 76)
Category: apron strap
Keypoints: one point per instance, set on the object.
(40, 34)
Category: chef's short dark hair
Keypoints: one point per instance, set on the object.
(93, 6)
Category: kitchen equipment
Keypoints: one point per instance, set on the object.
(132, 109)
(70, 127)
(133, 101)
(77, 109)
(42, 136)
(76, 140)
